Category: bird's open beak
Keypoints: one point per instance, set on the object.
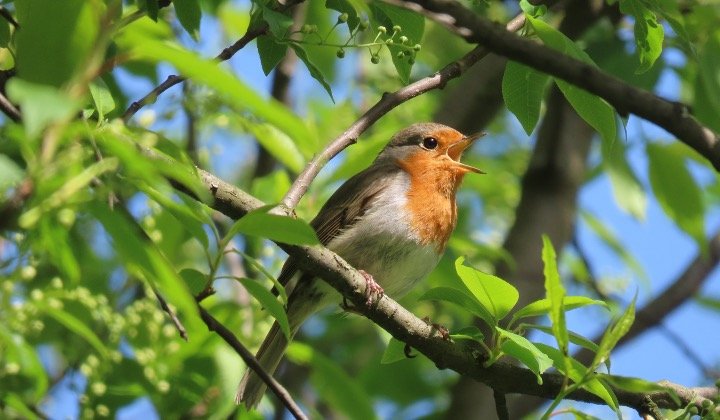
(456, 150)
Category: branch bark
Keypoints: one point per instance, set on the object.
(674, 117)
(403, 325)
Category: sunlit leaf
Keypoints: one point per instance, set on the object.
(523, 89)
(542, 306)
(78, 327)
(555, 292)
(269, 302)
(277, 228)
(496, 295)
(463, 300)
(188, 13)
(614, 333)
(649, 33)
(523, 350)
(575, 338)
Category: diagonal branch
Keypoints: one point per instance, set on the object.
(227, 335)
(403, 325)
(672, 116)
(382, 107)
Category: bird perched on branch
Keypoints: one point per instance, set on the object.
(391, 221)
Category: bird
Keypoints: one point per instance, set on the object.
(391, 221)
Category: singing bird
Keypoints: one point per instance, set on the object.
(391, 221)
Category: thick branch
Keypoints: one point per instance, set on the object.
(403, 325)
(382, 107)
(672, 116)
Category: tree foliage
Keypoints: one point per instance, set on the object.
(113, 236)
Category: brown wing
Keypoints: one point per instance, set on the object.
(343, 209)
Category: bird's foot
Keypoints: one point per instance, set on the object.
(373, 291)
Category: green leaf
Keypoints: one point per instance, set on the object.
(4, 33)
(269, 302)
(278, 144)
(208, 72)
(344, 6)
(627, 191)
(532, 10)
(277, 228)
(104, 102)
(707, 83)
(394, 352)
(10, 173)
(542, 306)
(56, 38)
(613, 334)
(649, 33)
(279, 23)
(71, 187)
(332, 383)
(523, 350)
(413, 27)
(594, 110)
(188, 13)
(575, 338)
(142, 258)
(611, 241)
(468, 333)
(257, 265)
(463, 300)
(41, 104)
(639, 386)
(151, 7)
(13, 401)
(270, 52)
(496, 295)
(17, 350)
(555, 292)
(312, 68)
(189, 220)
(579, 373)
(78, 327)
(677, 192)
(194, 279)
(523, 89)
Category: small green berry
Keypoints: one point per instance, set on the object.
(306, 29)
(403, 39)
(363, 25)
(375, 59)
(382, 29)
(397, 28)
(389, 41)
(400, 54)
(343, 18)
(340, 53)
(416, 47)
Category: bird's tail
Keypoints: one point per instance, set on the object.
(252, 387)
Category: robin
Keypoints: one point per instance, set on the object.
(392, 221)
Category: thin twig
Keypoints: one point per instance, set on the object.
(501, 407)
(174, 79)
(227, 335)
(9, 109)
(674, 117)
(382, 107)
(173, 317)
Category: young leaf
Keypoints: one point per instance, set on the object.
(282, 229)
(279, 23)
(523, 350)
(523, 89)
(270, 52)
(188, 13)
(269, 302)
(468, 333)
(394, 352)
(314, 71)
(184, 214)
(578, 373)
(649, 33)
(463, 300)
(78, 327)
(496, 295)
(555, 292)
(627, 191)
(412, 26)
(613, 334)
(542, 306)
(639, 386)
(41, 104)
(279, 144)
(677, 192)
(104, 102)
(575, 338)
(194, 279)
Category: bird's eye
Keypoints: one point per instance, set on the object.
(429, 143)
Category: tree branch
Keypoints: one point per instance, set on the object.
(672, 116)
(382, 107)
(227, 335)
(403, 325)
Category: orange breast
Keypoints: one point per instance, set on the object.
(431, 199)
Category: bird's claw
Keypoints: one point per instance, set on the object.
(373, 291)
